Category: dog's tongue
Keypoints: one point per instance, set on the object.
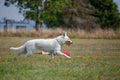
(67, 53)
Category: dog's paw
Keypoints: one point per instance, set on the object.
(69, 57)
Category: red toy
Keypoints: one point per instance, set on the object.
(67, 53)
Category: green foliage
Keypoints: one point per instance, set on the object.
(71, 13)
(51, 13)
(29, 8)
(107, 13)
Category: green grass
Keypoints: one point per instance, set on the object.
(92, 59)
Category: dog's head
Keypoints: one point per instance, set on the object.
(64, 39)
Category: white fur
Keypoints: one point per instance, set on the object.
(49, 45)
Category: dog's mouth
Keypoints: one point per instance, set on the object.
(68, 42)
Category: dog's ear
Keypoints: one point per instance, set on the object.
(64, 34)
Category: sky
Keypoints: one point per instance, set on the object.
(12, 11)
(118, 4)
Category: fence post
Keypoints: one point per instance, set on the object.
(5, 26)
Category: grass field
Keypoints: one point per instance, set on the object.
(92, 59)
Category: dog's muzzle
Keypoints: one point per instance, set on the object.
(69, 42)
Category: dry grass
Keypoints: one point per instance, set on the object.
(107, 34)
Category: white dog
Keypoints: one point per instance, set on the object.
(49, 45)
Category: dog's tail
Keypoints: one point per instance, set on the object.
(21, 48)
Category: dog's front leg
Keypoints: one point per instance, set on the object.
(51, 55)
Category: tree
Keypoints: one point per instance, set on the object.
(53, 12)
(107, 13)
(29, 8)
(48, 11)
(78, 15)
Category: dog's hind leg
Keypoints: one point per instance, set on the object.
(29, 52)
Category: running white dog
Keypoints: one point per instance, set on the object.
(50, 45)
